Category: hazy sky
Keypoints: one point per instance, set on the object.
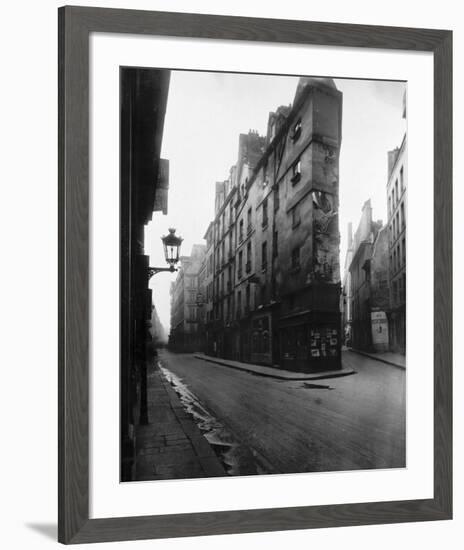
(206, 112)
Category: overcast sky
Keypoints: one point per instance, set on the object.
(206, 112)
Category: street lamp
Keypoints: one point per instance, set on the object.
(171, 244)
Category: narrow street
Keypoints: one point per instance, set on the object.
(346, 423)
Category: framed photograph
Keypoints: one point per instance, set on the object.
(254, 275)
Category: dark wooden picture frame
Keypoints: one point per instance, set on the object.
(75, 26)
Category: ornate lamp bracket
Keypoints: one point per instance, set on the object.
(154, 270)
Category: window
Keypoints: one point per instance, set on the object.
(296, 172)
(248, 257)
(240, 264)
(240, 231)
(230, 245)
(192, 313)
(296, 258)
(265, 177)
(397, 224)
(239, 304)
(396, 191)
(264, 255)
(404, 251)
(402, 179)
(276, 197)
(367, 273)
(403, 220)
(247, 298)
(263, 294)
(296, 130)
(275, 246)
(296, 216)
(223, 251)
(249, 220)
(265, 219)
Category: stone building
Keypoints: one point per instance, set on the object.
(143, 190)
(276, 281)
(369, 284)
(187, 334)
(397, 204)
(346, 301)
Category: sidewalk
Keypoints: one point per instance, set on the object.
(275, 372)
(171, 446)
(395, 359)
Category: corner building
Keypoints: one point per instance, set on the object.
(276, 285)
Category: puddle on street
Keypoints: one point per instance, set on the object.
(237, 458)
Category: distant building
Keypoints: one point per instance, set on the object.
(368, 273)
(397, 207)
(157, 331)
(275, 296)
(187, 334)
(346, 289)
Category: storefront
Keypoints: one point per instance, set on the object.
(261, 339)
(310, 342)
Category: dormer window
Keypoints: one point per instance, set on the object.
(296, 172)
(296, 130)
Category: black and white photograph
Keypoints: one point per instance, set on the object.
(263, 223)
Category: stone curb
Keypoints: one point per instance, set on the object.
(278, 374)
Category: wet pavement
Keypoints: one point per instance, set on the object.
(264, 425)
(171, 446)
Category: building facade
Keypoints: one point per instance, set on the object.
(187, 325)
(369, 290)
(397, 207)
(143, 190)
(346, 300)
(275, 241)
